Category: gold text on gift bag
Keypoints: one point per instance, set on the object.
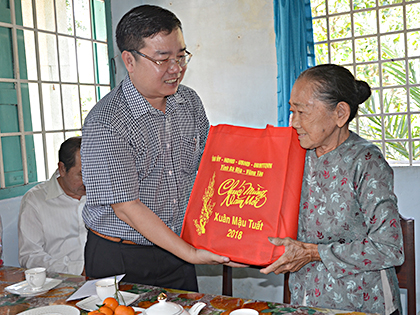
(234, 192)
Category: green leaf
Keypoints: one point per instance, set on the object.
(135, 289)
(278, 310)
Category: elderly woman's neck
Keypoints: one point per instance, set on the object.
(337, 138)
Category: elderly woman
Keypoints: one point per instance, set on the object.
(349, 236)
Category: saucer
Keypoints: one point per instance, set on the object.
(24, 289)
(52, 309)
(90, 303)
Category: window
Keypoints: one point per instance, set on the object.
(53, 68)
(378, 41)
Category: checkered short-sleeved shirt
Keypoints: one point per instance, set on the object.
(131, 150)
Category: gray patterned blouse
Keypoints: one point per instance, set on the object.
(349, 209)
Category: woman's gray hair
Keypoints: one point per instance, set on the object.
(334, 84)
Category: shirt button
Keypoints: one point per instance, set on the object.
(175, 201)
(168, 145)
(170, 172)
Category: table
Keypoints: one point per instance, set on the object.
(216, 304)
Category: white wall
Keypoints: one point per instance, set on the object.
(407, 184)
(9, 212)
(234, 66)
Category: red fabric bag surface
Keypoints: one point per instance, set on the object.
(247, 189)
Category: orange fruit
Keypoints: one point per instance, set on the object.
(106, 310)
(124, 310)
(95, 312)
(111, 302)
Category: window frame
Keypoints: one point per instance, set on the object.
(380, 61)
(25, 132)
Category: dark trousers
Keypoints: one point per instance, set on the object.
(149, 265)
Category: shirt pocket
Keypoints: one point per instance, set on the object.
(190, 153)
(148, 161)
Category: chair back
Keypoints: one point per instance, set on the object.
(406, 273)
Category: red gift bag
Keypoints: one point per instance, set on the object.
(247, 189)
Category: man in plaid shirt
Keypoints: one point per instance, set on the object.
(141, 147)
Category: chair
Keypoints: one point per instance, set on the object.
(406, 273)
(227, 287)
(286, 291)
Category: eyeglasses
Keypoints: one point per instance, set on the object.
(181, 61)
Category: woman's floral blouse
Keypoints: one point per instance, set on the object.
(348, 207)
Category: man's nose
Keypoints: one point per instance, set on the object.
(174, 66)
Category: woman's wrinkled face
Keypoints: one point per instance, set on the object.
(315, 124)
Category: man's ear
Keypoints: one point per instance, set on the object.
(128, 60)
(343, 113)
(62, 169)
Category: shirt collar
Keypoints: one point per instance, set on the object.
(140, 106)
(53, 187)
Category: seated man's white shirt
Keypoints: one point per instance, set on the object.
(51, 230)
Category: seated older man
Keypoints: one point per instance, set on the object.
(51, 230)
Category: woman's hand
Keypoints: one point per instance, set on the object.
(296, 255)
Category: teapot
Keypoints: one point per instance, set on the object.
(170, 308)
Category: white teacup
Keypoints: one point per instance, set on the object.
(244, 311)
(36, 277)
(105, 288)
